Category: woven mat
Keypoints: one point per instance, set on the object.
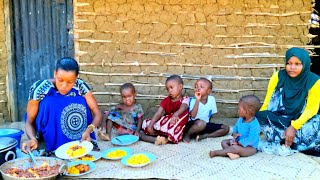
(190, 161)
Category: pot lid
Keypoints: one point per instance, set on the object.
(6, 142)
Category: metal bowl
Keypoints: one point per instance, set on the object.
(24, 163)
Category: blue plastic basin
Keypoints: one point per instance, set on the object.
(13, 133)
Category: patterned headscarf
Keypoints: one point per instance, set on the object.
(295, 90)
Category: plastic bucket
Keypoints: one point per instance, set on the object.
(13, 133)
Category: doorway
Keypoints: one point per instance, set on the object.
(42, 32)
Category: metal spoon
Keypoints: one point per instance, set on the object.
(119, 140)
(35, 162)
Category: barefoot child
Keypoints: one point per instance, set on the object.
(245, 133)
(202, 107)
(126, 117)
(161, 129)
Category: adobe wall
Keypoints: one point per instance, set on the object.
(237, 43)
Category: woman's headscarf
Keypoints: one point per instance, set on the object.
(295, 90)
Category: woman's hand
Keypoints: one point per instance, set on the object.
(30, 145)
(86, 135)
(289, 135)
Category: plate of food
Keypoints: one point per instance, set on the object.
(91, 156)
(116, 153)
(124, 140)
(138, 160)
(73, 149)
(79, 168)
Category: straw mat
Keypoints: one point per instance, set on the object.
(191, 161)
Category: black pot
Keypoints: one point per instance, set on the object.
(7, 149)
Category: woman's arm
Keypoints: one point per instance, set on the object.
(97, 116)
(312, 106)
(32, 111)
(271, 87)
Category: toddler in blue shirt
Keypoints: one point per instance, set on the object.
(246, 132)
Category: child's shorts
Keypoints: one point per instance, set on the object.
(210, 127)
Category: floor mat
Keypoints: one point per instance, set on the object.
(190, 161)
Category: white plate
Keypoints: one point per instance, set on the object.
(61, 152)
(95, 154)
(92, 166)
(151, 157)
(106, 152)
(124, 140)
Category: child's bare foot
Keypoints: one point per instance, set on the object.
(186, 139)
(200, 137)
(233, 156)
(212, 153)
(103, 136)
(160, 140)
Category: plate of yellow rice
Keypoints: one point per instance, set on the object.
(73, 149)
(91, 156)
(138, 160)
(116, 153)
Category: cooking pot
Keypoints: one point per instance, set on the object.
(7, 149)
(12, 133)
(24, 163)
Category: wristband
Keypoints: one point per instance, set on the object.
(93, 127)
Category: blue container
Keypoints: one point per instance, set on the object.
(13, 133)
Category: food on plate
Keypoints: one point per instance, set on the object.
(78, 169)
(87, 157)
(118, 153)
(44, 171)
(138, 159)
(75, 150)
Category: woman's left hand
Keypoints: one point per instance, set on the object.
(289, 135)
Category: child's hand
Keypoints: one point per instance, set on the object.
(233, 142)
(137, 133)
(197, 95)
(150, 130)
(174, 119)
(236, 135)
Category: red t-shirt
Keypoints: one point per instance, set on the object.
(171, 107)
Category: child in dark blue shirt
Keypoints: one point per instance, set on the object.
(246, 132)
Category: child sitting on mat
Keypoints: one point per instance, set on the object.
(202, 107)
(125, 118)
(170, 126)
(246, 132)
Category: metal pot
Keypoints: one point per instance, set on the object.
(23, 163)
(7, 149)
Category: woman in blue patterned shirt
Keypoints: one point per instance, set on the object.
(60, 110)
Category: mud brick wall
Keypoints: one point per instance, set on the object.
(236, 43)
(3, 66)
